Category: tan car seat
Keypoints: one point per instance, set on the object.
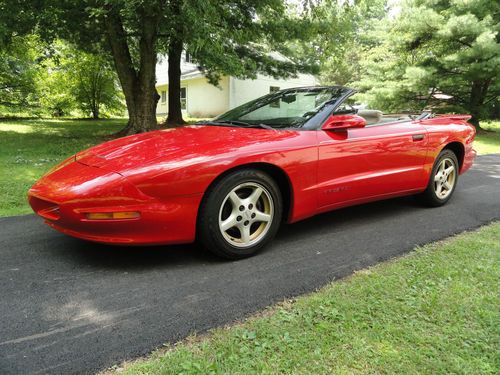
(372, 116)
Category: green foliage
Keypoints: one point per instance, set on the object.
(87, 81)
(18, 71)
(343, 44)
(225, 37)
(16, 19)
(57, 79)
(243, 39)
(54, 83)
(433, 311)
(95, 85)
(435, 47)
(406, 60)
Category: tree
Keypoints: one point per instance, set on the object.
(447, 47)
(385, 80)
(343, 45)
(224, 36)
(237, 38)
(94, 85)
(128, 29)
(54, 91)
(70, 79)
(18, 70)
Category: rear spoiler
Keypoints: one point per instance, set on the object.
(429, 118)
(455, 117)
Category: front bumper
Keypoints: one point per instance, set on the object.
(65, 195)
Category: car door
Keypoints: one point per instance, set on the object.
(361, 164)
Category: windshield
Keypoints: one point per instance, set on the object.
(282, 109)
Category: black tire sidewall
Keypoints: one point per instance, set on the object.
(209, 233)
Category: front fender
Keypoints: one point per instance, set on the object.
(193, 175)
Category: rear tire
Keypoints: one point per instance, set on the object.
(240, 214)
(443, 180)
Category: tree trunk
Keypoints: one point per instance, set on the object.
(174, 84)
(138, 87)
(478, 93)
(174, 65)
(142, 115)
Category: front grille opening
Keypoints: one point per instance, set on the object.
(46, 209)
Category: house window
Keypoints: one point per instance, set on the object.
(163, 96)
(275, 104)
(183, 98)
(188, 58)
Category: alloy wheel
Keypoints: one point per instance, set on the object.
(444, 179)
(246, 214)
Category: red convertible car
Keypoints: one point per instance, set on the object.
(230, 182)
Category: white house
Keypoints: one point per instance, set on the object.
(201, 99)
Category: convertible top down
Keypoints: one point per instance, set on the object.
(230, 182)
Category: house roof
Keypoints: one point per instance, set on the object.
(188, 71)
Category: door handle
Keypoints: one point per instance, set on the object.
(417, 137)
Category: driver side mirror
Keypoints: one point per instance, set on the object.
(337, 122)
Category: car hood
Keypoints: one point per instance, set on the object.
(178, 145)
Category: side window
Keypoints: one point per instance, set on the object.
(183, 98)
(163, 96)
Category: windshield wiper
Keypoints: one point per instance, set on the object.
(218, 123)
(248, 125)
(224, 123)
(261, 125)
(242, 124)
(236, 122)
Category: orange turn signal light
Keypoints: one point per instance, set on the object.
(112, 215)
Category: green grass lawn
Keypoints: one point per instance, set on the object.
(434, 311)
(28, 148)
(488, 142)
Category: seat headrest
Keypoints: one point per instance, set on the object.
(372, 116)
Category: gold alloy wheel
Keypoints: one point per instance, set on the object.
(444, 179)
(246, 214)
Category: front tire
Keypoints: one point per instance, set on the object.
(240, 214)
(443, 180)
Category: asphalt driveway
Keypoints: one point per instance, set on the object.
(68, 306)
